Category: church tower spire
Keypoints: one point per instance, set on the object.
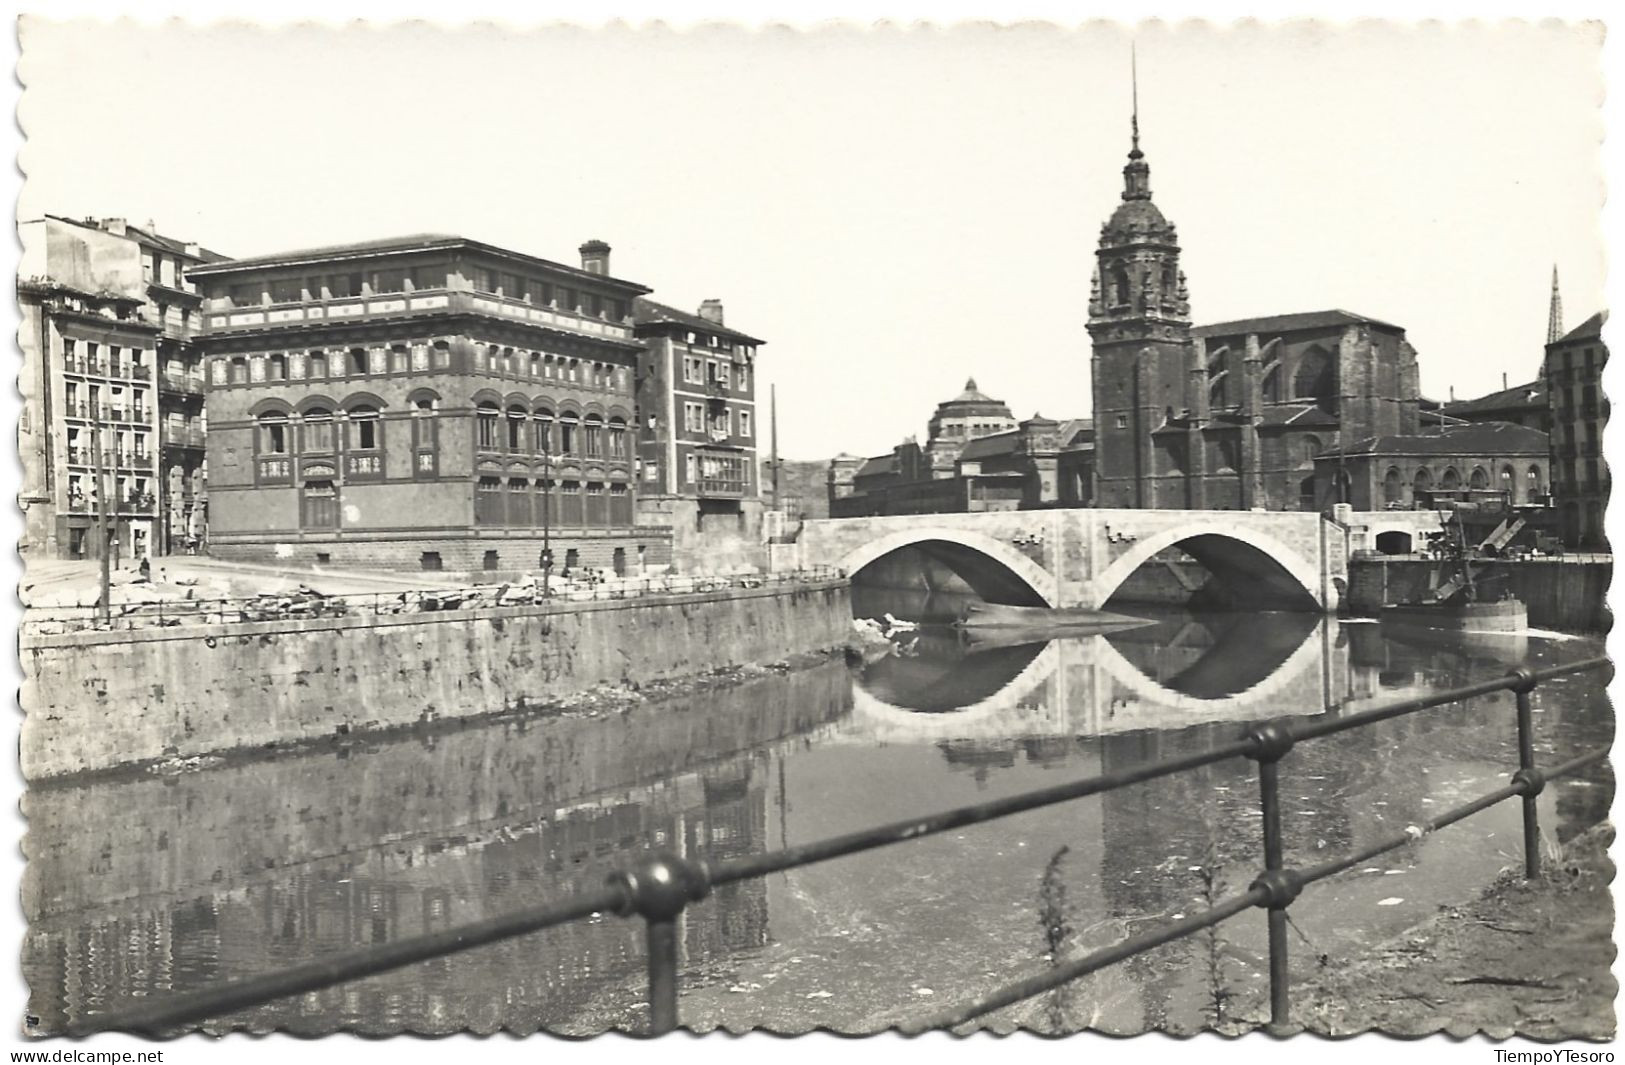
(1554, 317)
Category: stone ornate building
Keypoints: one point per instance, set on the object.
(425, 401)
(977, 457)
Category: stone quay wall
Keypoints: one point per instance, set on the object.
(99, 700)
(1569, 596)
(134, 835)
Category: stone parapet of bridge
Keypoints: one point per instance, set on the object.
(1080, 557)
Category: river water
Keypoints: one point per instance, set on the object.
(147, 885)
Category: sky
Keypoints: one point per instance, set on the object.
(892, 210)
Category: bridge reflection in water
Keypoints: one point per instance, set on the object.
(143, 886)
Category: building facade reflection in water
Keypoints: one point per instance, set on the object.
(178, 883)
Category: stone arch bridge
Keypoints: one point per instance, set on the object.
(1080, 557)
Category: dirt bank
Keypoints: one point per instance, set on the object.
(1529, 959)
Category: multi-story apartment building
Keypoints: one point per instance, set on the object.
(697, 434)
(96, 328)
(1579, 410)
(426, 401)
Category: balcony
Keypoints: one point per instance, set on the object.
(181, 435)
(182, 384)
(219, 319)
(715, 488)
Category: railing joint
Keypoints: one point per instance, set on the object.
(1271, 741)
(1523, 681)
(1530, 781)
(660, 886)
(1281, 887)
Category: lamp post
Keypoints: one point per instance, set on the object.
(547, 509)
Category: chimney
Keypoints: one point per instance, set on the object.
(595, 257)
(1504, 385)
(194, 250)
(116, 226)
(711, 311)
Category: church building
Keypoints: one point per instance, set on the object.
(1227, 416)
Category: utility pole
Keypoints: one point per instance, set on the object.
(105, 602)
(773, 408)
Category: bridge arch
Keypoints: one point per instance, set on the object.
(997, 571)
(1232, 552)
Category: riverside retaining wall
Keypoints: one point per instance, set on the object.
(1571, 596)
(98, 700)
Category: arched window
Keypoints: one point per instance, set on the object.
(1343, 487)
(364, 459)
(1393, 486)
(486, 434)
(1119, 285)
(275, 461)
(1509, 482)
(316, 435)
(593, 435)
(277, 368)
(515, 439)
(318, 365)
(1421, 485)
(355, 363)
(1450, 481)
(1479, 479)
(568, 437)
(1536, 486)
(617, 438)
(319, 499)
(543, 426)
(1311, 446)
(1316, 378)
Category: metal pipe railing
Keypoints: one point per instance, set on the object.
(661, 886)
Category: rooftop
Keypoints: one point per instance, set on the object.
(416, 242)
(147, 234)
(649, 312)
(986, 447)
(1518, 397)
(1590, 329)
(1288, 323)
(1472, 439)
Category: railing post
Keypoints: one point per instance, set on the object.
(658, 889)
(1524, 688)
(1272, 741)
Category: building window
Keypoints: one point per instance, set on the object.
(442, 355)
(277, 367)
(1535, 487)
(488, 501)
(597, 506)
(570, 505)
(688, 469)
(485, 430)
(364, 459)
(316, 434)
(1393, 486)
(355, 364)
(516, 429)
(319, 505)
(518, 504)
(568, 443)
(543, 429)
(593, 434)
(744, 423)
(617, 439)
(425, 438)
(620, 505)
(430, 561)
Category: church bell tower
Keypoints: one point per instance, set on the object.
(1139, 322)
